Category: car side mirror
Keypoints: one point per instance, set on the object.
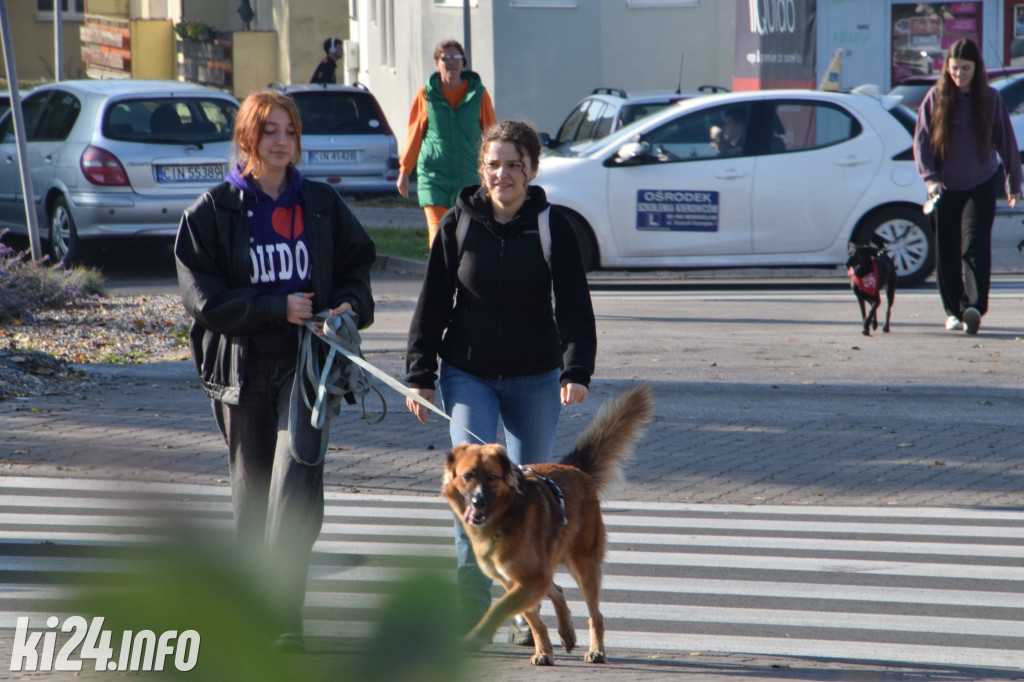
(545, 139)
(632, 153)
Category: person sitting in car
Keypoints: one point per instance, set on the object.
(728, 139)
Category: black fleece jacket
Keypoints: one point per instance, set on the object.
(489, 310)
(212, 257)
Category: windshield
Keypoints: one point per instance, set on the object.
(333, 113)
(620, 136)
(912, 94)
(170, 121)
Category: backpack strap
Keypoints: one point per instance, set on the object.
(460, 231)
(543, 229)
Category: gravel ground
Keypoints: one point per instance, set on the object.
(38, 354)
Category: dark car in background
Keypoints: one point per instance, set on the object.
(605, 110)
(346, 140)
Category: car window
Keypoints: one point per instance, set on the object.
(705, 134)
(632, 112)
(606, 123)
(803, 125)
(170, 121)
(338, 113)
(567, 132)
(589, 125)
(57, 117)
(913, 94)
(31, 107)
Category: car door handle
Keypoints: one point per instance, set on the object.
(853, 161)
(730, 174)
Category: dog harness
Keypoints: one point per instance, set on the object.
(554, 488)
(869, 282)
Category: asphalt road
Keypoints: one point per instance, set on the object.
(768, 399)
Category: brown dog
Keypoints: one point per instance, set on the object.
(524, 523)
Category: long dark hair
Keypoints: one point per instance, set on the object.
(946, 97)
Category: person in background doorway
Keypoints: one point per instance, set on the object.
(447, 117)
(326, 70)
(963, 131)
(257, 256)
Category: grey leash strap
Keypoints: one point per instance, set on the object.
(332, 340)
(335, 378)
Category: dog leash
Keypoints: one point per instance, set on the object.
(331, 338)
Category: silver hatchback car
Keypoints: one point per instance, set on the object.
(114, 158)
(346, 140)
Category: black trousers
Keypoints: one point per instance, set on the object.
(278, 500)
(963, 246)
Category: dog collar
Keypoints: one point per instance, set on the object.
(869, 282)
(554, 488)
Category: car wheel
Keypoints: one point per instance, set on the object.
(910, 241)
(588, 247)
(65, 246)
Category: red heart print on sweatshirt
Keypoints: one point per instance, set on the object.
(281, 219)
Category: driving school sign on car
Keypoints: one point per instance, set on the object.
(676, 210)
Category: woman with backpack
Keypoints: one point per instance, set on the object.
(506, 308)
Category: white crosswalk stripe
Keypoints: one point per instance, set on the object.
(921, 585)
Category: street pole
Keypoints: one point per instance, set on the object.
(19, 134)
(466, 32)
(58, 41)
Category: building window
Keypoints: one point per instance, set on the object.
(923, 32)
(388, 26)
(69, 9)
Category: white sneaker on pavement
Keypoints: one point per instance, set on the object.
(953, 324)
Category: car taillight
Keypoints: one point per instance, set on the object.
(100, 167)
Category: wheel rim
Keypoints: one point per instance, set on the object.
(907, 245)
(60, 232)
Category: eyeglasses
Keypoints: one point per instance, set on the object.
(452, 58)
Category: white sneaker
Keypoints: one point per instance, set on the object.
(972, 320)
(953, 324)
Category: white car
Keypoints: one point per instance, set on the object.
(809, 172)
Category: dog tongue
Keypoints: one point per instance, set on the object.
(470, 516)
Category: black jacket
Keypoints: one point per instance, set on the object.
(212, 257)
(502, 323)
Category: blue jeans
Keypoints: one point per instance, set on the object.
(528, 407)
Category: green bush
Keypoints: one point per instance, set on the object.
(26, 286)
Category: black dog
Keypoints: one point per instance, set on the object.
(872, 272)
